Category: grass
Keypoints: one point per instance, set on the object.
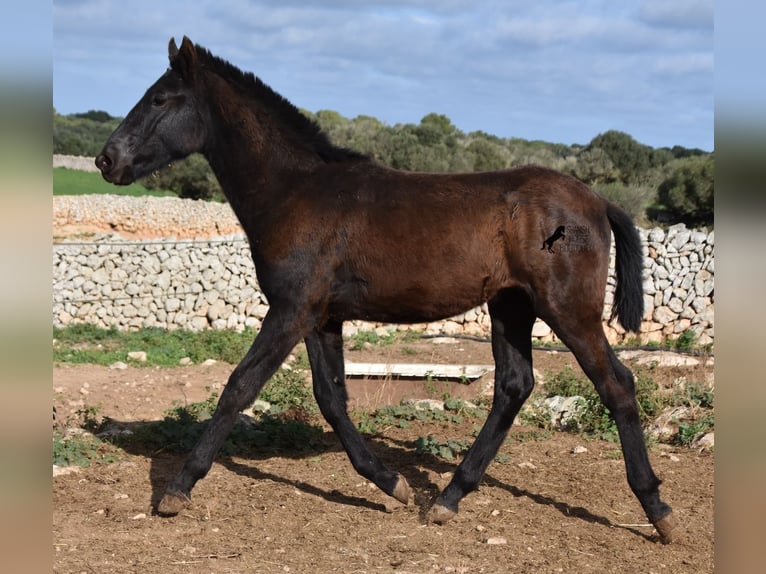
(76, 182)
(74, 443)
(282, 428)
(595, 420)
(289, 393)
(358, 340)
(84, 343)
(401, 415)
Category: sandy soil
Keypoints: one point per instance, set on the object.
(545, 510)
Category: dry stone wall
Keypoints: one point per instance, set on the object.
(211, 283)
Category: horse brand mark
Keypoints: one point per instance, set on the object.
(558, 234)
(578, 238)
(572, 238)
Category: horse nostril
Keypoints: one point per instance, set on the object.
(104, 163)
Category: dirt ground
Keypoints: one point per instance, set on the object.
(546, 509)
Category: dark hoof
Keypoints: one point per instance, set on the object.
(173, 503)
(402, 492)
(665, 527)
(440, 514)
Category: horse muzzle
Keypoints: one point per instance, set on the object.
(111, 170)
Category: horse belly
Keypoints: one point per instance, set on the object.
(398, 296)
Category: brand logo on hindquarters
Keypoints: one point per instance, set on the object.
(571, 237)
(560, 233)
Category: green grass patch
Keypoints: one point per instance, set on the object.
(76, 182)
(595, 420)
(358, 341)
(401, 415)
(74, 443)
(448, 449)
(84, 343)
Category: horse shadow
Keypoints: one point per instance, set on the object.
(421, 470)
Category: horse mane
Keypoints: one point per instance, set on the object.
(306, 128)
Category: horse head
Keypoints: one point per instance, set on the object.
(166, 124)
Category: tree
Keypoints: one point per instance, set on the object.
(632, 159)
(595, 166)
(436, 129)
(688, 192)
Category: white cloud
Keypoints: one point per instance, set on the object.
(482, 63)
(678, 13)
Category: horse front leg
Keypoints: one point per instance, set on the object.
(279, 334)
(325, 349)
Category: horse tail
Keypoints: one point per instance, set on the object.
(628, 305)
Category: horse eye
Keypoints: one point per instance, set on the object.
(159, 99)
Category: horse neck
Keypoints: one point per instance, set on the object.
(252, 154)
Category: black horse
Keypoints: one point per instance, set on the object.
(336, 236)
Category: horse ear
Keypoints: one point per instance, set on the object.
(183, 60)
(172, 50)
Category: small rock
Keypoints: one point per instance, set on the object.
(429, 405)
(118, 365)
(139, 516)
(444, 341)
(120, 496)
(480, 528)
(260, 406)
(705, 441)
(185, 361)
(495, 512)
(527, 464)
(497, 540)
(579, 449)
(64, 470)
(139, 356)
(209, 362)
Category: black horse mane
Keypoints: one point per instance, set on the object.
(289, 114)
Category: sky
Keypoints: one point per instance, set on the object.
(553, 70)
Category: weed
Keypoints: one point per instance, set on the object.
(686, 341)
(287, 389)
(695, 395)
(73, 446)
(80, 449)
(688, 431)
(594, 418)
(448, 449)
(405, 412)
(359, 339)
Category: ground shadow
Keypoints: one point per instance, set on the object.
(418, 468)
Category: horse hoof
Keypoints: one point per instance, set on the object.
(173, 503)
(440, 514)
(402, 491)
(665, 527)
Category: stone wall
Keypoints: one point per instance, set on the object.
(211, 283)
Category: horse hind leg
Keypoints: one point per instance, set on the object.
(615, 385)
(512, 319)
(325, 350)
